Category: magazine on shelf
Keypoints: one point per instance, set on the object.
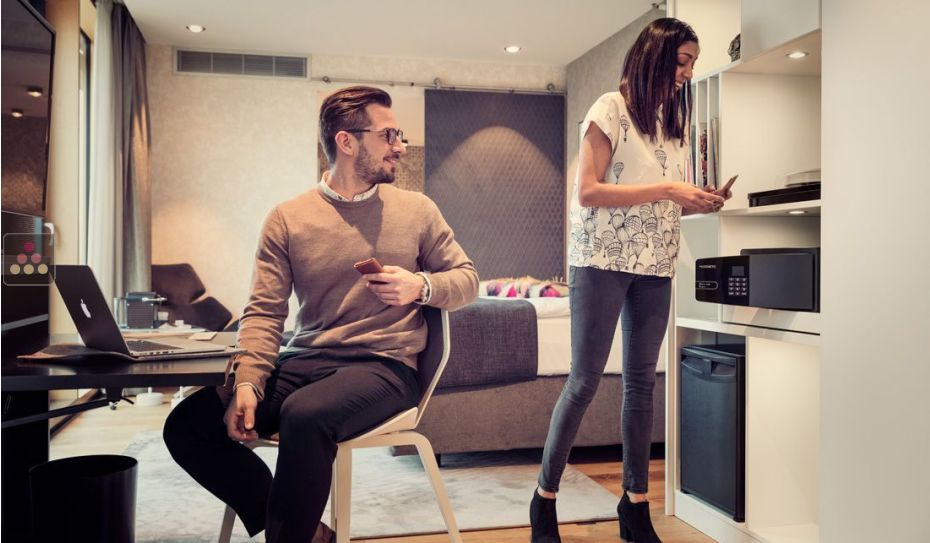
(713, 164)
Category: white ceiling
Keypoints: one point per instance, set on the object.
(551, 32)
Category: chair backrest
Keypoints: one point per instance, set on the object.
(432, 361)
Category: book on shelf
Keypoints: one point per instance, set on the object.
(713, 163)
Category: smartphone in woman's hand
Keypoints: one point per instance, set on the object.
(726, 187)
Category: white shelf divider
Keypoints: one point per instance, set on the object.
(812, 340)
(811, 208)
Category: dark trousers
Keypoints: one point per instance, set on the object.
(597, 299)
(312, 404)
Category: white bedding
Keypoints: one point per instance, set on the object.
(554, 335)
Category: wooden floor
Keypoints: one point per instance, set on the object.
(102, 431)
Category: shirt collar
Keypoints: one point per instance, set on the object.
(327, 190)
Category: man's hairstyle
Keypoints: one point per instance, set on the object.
(648, 79)
(344, 110)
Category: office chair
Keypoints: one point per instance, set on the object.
(397, 430)
(184, 290)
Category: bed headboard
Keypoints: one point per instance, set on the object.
(495, 166)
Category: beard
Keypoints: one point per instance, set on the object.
(367, 170)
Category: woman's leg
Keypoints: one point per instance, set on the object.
(644, 322)
(596, 298)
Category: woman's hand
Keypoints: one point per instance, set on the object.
(694, 199)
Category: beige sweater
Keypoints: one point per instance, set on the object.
(309, 244)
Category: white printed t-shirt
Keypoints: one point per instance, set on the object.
(643, 238)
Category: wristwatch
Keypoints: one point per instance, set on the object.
(427, 290)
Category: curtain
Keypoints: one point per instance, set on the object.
(119, 242)
(133, 136)
(102, 227)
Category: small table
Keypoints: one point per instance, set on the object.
(25, 388)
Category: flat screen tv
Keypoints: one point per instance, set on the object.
(28, 47)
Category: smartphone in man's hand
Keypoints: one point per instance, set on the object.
(369, 265)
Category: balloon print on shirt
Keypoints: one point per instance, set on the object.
(663, 158)
(617, 169)
(625, 125)
(650, 223)
(590, 228)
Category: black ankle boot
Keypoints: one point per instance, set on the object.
(543, 520)
(635, 524)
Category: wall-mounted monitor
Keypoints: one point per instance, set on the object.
(28, 47)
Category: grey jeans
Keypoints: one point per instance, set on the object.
(598, 298)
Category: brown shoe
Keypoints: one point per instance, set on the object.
(324, 534)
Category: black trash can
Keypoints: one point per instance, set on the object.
(84, 498)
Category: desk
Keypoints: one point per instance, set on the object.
(25, 393)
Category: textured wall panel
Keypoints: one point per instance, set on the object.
(495, 166)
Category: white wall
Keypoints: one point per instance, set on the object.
(875, 419)
(225, 150)
(716, 22)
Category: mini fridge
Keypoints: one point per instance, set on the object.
(712, 426)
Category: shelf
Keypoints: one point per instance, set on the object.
(774, 61)
(811, 208)
(799, 533)
(802, 338)
(711, 521)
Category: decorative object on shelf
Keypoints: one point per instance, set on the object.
(800, 179)
(734, 49)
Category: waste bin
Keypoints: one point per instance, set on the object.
(84, 498)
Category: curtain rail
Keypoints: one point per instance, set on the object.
(440, 85)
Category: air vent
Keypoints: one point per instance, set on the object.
(205, 62)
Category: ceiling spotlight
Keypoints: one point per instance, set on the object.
(795, 55)
(196, 29)
(17, 113)
(797, 212)
(35, 92)
(512, 49)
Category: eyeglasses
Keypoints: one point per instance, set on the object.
(390, 134)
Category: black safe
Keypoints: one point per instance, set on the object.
(787, 279)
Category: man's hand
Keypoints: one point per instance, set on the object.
(240, 415)
(397, 286)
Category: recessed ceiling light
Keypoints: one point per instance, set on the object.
(196, 29)
(512, 49)
(795, 55)
(17, 113)
(35, 92)
(797, 212)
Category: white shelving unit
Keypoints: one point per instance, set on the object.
(767, 108)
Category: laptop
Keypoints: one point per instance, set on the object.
(98, 329)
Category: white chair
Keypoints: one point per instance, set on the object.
(398, 430)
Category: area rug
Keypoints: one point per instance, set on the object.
(391, 496)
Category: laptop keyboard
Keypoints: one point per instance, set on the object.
(143, 345)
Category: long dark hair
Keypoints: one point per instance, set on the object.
(648, 80)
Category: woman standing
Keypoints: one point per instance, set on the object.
(628, 200)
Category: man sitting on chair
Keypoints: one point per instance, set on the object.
(352, 361)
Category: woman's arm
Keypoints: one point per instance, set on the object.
(594, 192)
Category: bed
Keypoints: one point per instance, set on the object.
(515, 415)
